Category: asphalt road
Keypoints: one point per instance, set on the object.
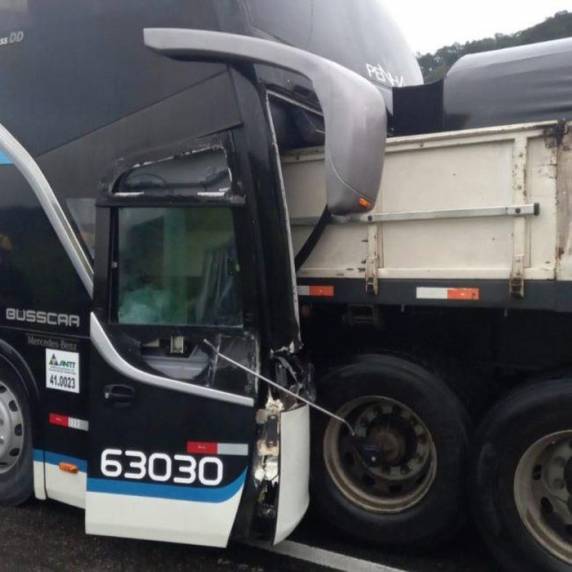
(50, 536)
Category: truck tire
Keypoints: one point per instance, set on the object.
(522, 479)
(474, 389)
(16, 464)
(414, 496)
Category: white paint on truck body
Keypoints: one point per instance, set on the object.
(482, 170)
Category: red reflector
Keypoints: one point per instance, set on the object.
(61, 420)
(463, 294)
(202, 448)
(322, 291)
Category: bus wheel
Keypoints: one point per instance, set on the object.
(16, 468)
(522, 484)
(410, 494)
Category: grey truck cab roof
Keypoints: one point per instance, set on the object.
(515, 85)
(525, 84)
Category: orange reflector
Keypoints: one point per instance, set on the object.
(322, 291)
(463, 294)
(364, 203)
(68, 468)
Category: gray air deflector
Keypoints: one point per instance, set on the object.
(354, 110)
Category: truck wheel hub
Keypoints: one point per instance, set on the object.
(390, 443)
(543, 493)
(402, 475)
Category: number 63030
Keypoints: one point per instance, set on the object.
(161, 467)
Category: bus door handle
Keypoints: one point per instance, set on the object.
(119, 395)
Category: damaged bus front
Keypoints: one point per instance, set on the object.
(168, 397)
(199, 423)
(195, 309)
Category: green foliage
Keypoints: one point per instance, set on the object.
(435, 66)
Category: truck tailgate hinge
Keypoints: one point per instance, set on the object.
(516, 283)
(373, 260)
(520, 232)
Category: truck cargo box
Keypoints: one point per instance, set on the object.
(469, 217)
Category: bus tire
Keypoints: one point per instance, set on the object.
(16, 463)
(415, 495)
(522, 478)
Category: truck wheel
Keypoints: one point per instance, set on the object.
(16, 465)
(522, 484)
(414, 494)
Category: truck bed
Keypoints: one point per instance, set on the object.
(478, 217)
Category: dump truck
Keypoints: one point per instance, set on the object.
(217, 218)
(458, 279)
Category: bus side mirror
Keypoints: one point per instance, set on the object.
(354, 110)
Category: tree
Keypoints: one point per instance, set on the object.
(435, 66)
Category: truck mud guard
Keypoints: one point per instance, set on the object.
(354, 110)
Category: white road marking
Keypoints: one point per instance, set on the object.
(326, 558)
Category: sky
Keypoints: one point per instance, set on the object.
(431, 25)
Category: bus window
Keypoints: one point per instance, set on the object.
(178, 266)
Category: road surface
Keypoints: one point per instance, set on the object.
(49, 536)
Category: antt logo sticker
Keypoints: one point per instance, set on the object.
(62, 370)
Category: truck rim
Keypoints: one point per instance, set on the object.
(11, 429)
(543, 493)
(408, 463)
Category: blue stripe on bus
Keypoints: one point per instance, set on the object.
(173, 492)
(132, 488)
(57, 458)
(4, 159)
